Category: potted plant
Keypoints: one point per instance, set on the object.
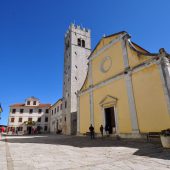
(165, 138)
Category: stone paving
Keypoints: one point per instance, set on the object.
(52, 152)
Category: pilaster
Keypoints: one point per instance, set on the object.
(164, 69)
(91, 94)
(129, 86)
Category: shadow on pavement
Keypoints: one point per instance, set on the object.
(144, 148)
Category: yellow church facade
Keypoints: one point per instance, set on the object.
(127, 89)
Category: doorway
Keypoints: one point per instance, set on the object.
(110, 124)
(29, 129)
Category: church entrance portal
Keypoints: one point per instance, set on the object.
(110, 123)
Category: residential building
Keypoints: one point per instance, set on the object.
(56, 117)
(76, 53)
(127, 89)
(29, 117)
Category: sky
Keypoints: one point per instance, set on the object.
(32, 39)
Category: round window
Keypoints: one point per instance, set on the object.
(106, 64)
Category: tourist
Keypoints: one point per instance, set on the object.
(91, 128)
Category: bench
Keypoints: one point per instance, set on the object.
(153, 135)
(88, 134)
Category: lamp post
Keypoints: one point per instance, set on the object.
(0, 110)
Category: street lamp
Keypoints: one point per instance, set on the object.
(0, 111)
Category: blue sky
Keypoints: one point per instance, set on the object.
(32, 39)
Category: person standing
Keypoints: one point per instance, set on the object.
(101, 130)
(91, 128)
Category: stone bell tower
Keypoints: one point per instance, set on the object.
(76, 53)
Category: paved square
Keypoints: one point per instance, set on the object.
(52, 152)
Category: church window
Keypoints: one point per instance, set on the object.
(75, 52)
(67, 45)
(28, 102)
(75, 66)
(76, 78)
(34, 102)
(78, 42)
(83, 43)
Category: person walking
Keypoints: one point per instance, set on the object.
(101, 130)
(91, 128)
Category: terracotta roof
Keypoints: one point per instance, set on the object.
(23, 105)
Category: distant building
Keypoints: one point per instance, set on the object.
(127, 89)
(56, 117)
(29, 117)
(76, 53)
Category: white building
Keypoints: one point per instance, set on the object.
(29, 117)
(76, 53)
(56, 117)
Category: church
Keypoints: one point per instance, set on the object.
(126, 89)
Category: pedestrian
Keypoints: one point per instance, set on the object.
(101, 130)
(91, 128)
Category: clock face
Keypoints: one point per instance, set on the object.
(105, 64)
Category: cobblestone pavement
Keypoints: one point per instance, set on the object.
(52, 152)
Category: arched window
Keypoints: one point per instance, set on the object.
(83, 43)
(67, 45)
(78, 42)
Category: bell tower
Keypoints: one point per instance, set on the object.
(76, 52)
